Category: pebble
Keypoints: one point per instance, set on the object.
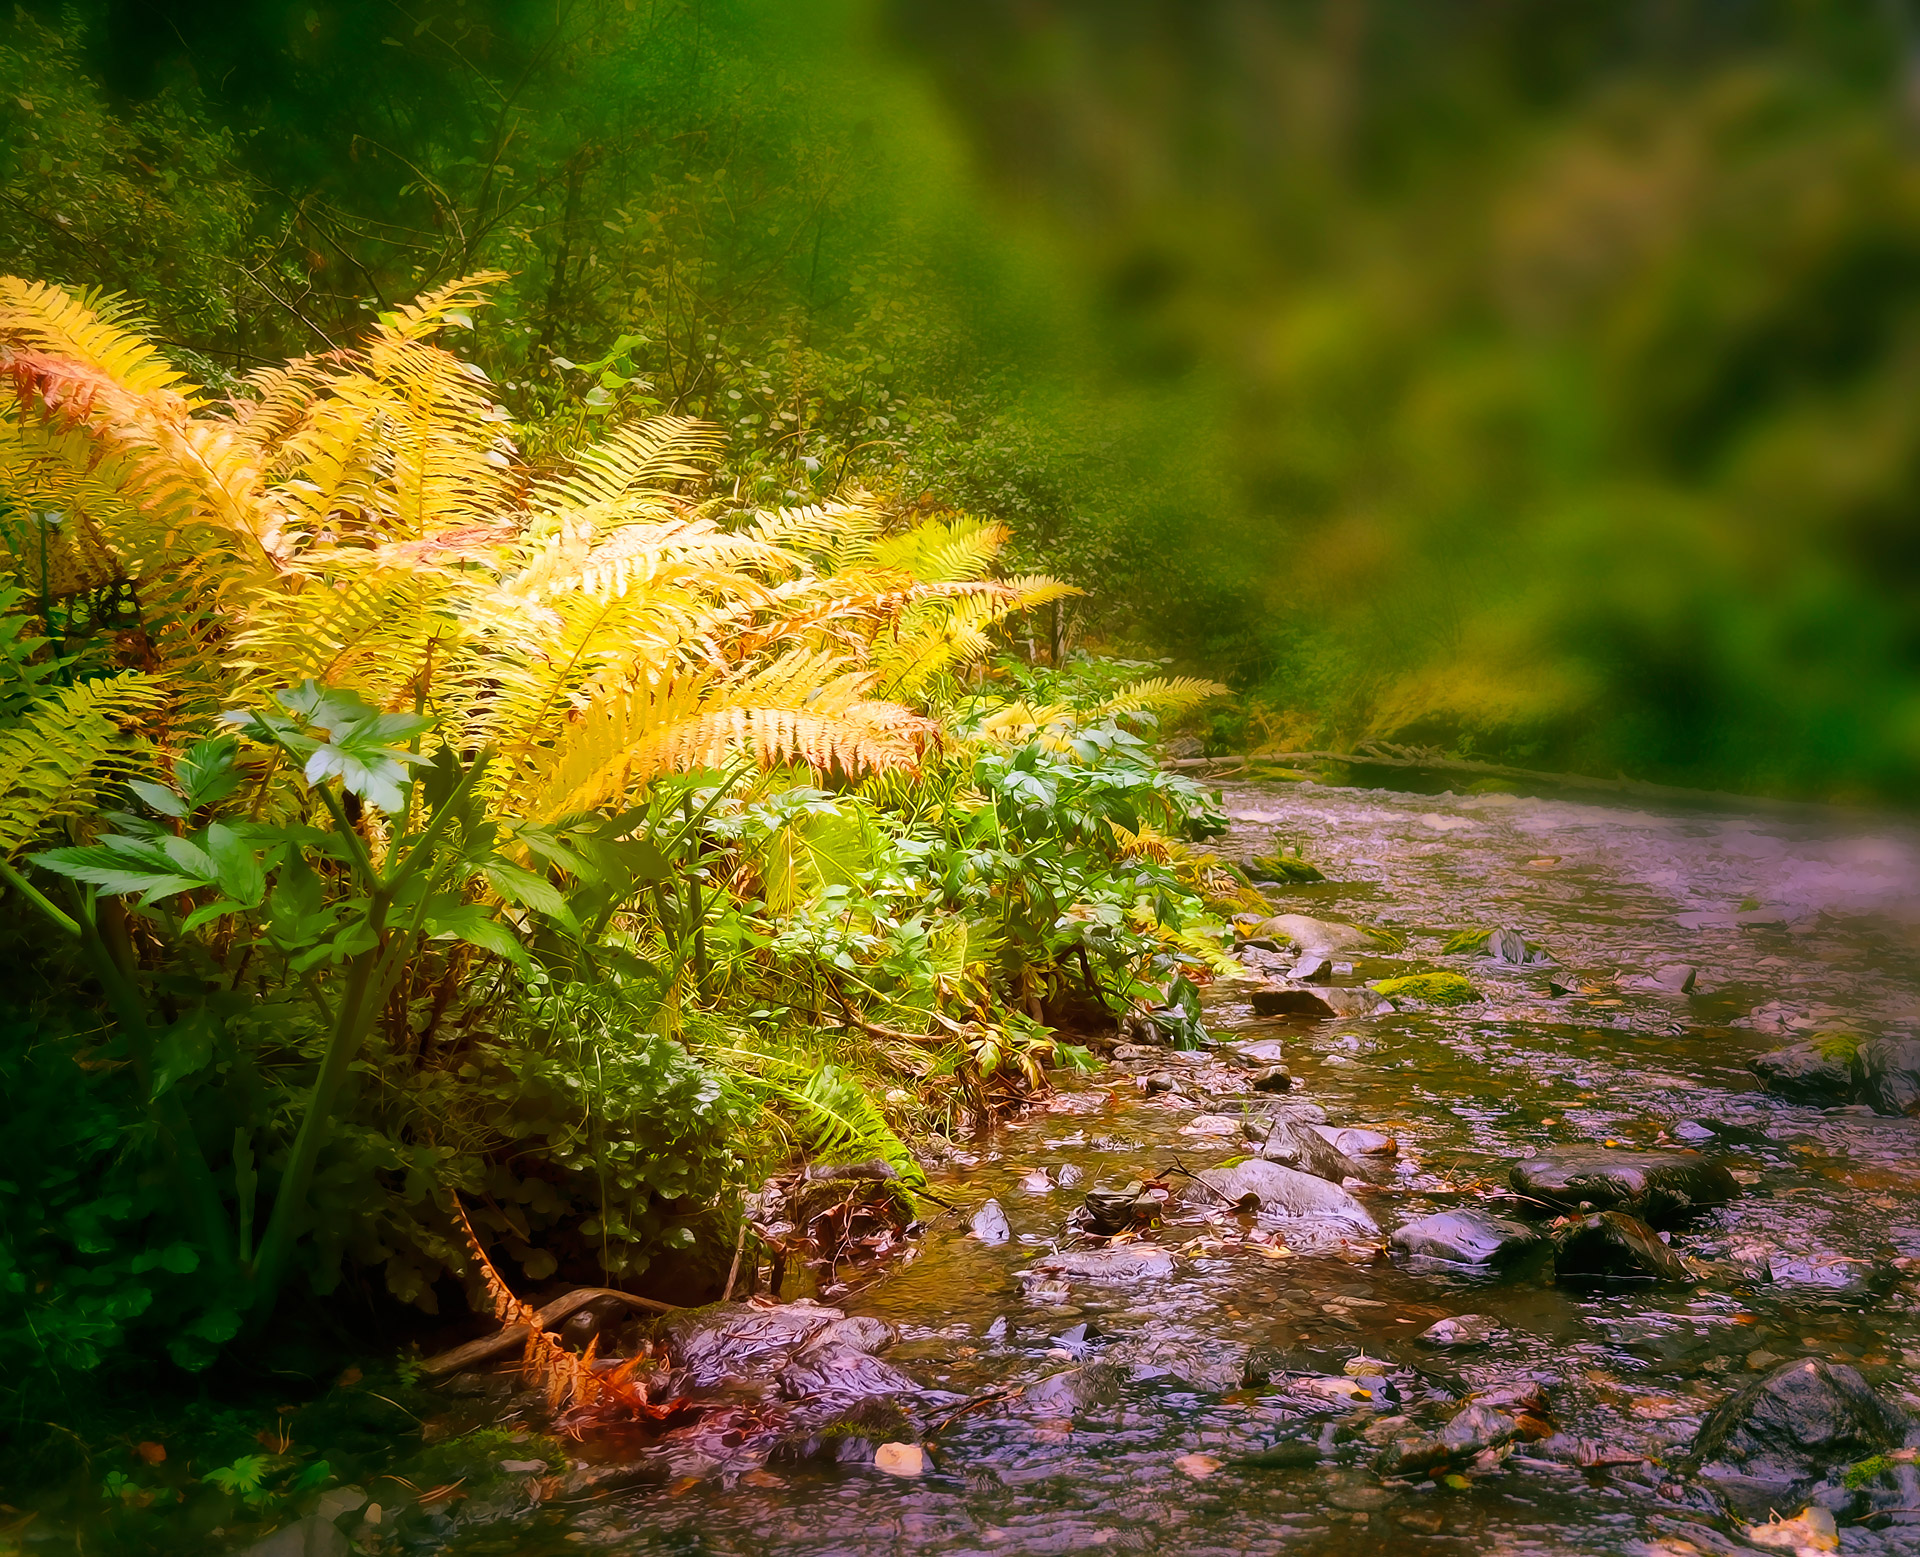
(900, 1459)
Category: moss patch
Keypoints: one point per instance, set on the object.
(1438, 989)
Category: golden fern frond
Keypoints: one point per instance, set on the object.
(67, 749)
(628, 477)
(358, 619)
(429, 312)
(834, 535)
(1162, 695)
(956, 550)
(953, 631)
(93, 329)
(630, 735)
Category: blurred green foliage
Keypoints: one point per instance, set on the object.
(1530, 379)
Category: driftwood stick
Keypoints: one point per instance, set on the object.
(739, 1248)
(512, 1337)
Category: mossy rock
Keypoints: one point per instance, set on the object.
(1287, 868)
(1436, 989)
(1837, 1045)
(1467, 941)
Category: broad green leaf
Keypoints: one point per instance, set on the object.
(531, 891)
(208, 771)
(162, 799)
(111, 871)
(473, 924)
(184, 1048)
(236, 867)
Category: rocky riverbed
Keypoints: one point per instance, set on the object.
(1522, 1260)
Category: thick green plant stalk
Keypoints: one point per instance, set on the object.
(371, 979)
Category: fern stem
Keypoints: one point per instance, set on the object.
(63, 922)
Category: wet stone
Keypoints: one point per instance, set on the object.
(1292, 1000)
(1351, 1141)
(1298, 1145)
(989, 1224)
(1610, 1245)
(1462, 1332)
(1273, 1079)
(1135, 1262)
(1787, 1429)
(1261, 1051)
(1310, 934)
(1887, 1074)
(1661, 1186)
(1282, 1195)
(1469, 1434)
(1800, 1073)
(1468, 1237)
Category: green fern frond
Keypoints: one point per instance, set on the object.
(1162, 695)
(66, 750)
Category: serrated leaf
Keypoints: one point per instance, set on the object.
(473, 924)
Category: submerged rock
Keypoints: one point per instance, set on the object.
(989, 1224)
(1804, 1073)
(1468, 1435)
(1462, 1332)
(1660, 1186)
(1887, 1073)
(1283, 1195)
(1786, 1430)
(309, 1537)
(1610, 1245)
(1468, 1237)
(1131, 1262)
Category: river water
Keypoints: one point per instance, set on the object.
(1811, 924)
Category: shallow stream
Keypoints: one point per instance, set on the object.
(1791, 924)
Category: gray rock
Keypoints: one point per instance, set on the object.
(1354, 1002)
(1802, 1074)
(1468, 1237)
(1351, 1141)
(1131, 1262)
(1311, 935)
(1262, 1051)
(1661, 1186)
(1462, 1332)
(989, 1224)
(1676, 976)
(1129, 1053)
(1292, 1000)
(1470, 1433)
(1612, 1246)
(1887, 1073)
(838, 1371)
(309, 1537)
(1786, 1430)
(1273, 1079)
(1299, 1145)
(1283, 1195)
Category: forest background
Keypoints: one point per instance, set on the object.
(1532, 381)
